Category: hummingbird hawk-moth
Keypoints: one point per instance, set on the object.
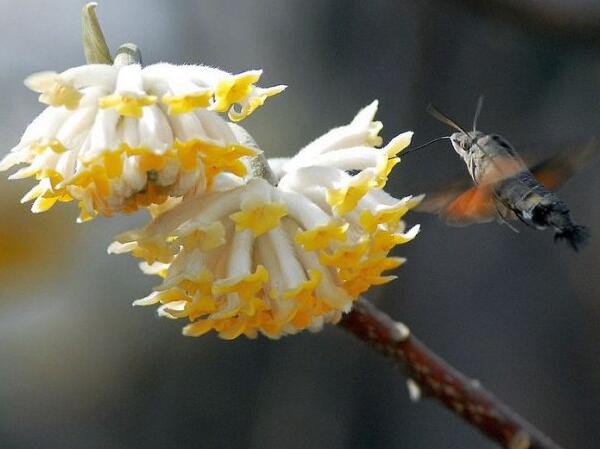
(505, 188)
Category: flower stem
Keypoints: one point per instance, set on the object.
(437, 379)
(128, 54)
(259, 166)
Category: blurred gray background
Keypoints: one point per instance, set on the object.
(80, 368)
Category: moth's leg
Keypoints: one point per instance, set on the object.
(503, 213)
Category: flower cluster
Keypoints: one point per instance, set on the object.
(243, 244)
(117, 138)
(277, 259)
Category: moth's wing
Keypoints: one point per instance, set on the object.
(555, 171)
(461, 205)
(435, 202)
(476, 205)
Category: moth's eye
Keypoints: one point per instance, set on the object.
(503, 143)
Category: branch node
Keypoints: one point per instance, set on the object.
(520, 440)
(403, 330)
(414, 391)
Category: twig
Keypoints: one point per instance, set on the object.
(436, 379)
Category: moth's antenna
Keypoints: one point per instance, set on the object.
(475, 118)
(477, 112)
(438, 115)
(437, 139)
(448, 121)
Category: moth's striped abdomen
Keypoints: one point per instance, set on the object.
(539, 207)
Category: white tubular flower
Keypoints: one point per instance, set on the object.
(280, 259)
(117, 138)
(363, 131)
(320, 170)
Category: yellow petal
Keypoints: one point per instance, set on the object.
(181, 104)
(260, 219)
(127, 106)
(321, 237)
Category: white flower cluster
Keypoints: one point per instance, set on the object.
(278, 259)
(244, 245)
(117, 138)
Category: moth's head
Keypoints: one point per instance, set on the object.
(464, 142)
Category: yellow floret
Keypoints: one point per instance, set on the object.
(47, 192)
(113, 161)
(42, 204)
(256, 100)
(259, 219)
(383, 241)
(126, 105)
(198, 328)
(225, 159)
(204, 238)
(216, 159)
(42, 145)
(61, 95)
(390, 217)
(197, 301)
(382, 172)
(304, 292)
(308, 304)
(247, 288)
(200, 284)
(153, 249)
(345, 256)
(358, 280)
(234, 89)
(180, 104)
(321, 236)
(162, 297)
(345, 198)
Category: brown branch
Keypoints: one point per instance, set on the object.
(436, 379)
